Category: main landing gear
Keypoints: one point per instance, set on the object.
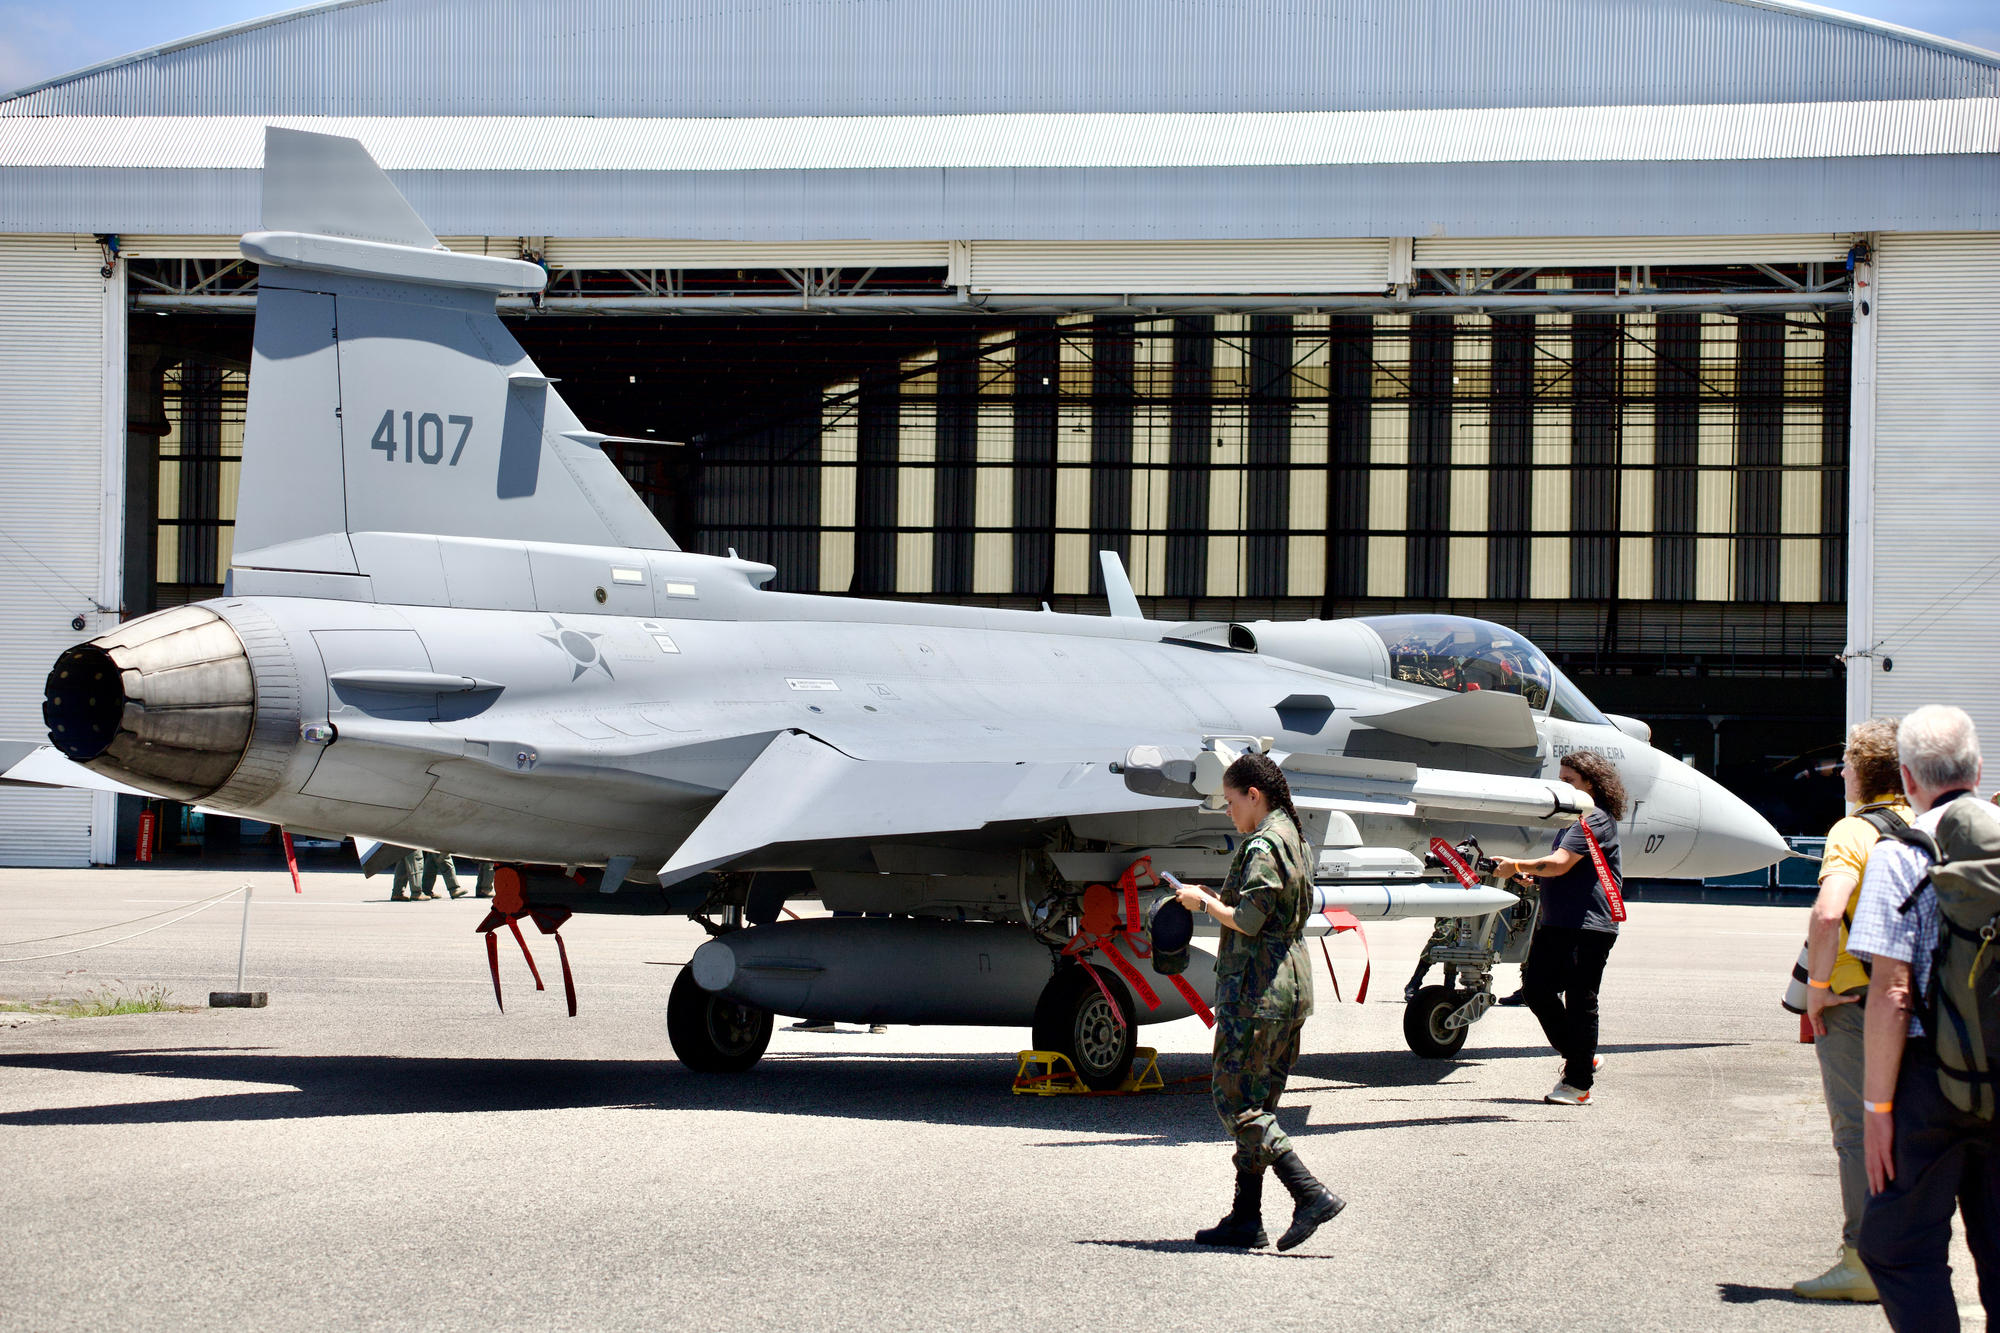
(1076, 1017)
(711, 1034)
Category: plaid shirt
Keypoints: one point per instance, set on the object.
(1881, 929)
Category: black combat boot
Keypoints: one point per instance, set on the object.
(1242, 1228)
(1312, 1202)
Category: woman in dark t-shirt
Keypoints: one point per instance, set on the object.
(1573, 941)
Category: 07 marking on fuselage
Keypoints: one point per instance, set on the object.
(423, 437)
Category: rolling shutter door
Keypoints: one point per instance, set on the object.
(1937, 475)
(645, 254)
(1171, 267)
(51, 424)
(1594, 251)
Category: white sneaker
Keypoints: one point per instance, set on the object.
(1564, 1095)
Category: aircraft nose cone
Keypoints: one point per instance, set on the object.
(1734, 838)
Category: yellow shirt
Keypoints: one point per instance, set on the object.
(1847, 846)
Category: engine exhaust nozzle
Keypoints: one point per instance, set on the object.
(165, 703)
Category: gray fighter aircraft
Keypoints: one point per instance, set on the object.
(451, 624)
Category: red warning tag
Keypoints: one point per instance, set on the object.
(1611, 893)
(1455, 863)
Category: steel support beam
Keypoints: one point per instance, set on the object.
(1141, 306)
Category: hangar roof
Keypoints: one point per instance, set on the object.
(966, 57)
(1066, 119)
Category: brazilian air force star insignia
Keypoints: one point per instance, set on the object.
(579, 646)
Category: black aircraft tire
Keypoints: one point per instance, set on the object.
(1072, 1017)
(711, 1034)
(1423, 1023)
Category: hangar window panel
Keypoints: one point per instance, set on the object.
(916, 478)
(1075, 482)
(1553, 455)
(838, 452)
(1152, 434)
(198, 468)
(1350, 425)
(1635, 568)
(1834, 401)
(1109, 347)
(1190, 440)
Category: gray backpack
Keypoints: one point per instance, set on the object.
(1962, 1003)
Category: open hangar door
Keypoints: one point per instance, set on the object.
(1633, 452)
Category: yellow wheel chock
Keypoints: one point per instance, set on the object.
(1051, 1074)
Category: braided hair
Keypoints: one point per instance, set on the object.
(1257, 770)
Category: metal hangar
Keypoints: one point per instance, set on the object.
(1667, 331)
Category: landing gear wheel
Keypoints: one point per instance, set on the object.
(1423, 1022)
(711, 1034)
(1073, 1017)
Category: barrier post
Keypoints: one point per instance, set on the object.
(240, 998)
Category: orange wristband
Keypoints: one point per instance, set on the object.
(1879, 1108)
(1817, 984)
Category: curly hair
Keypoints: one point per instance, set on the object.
(1600, 779)
(1871, 753)
(1259, 772)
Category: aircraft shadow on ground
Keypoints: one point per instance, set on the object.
(1400, 1069)
(935, 1087)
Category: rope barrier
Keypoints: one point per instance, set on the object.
(92, 930)
(204, 905)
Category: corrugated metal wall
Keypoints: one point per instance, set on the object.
(866, 57)
(1937, 473)
(51, 408)
(1591, 456)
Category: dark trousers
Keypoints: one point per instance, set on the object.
(1559, 983)
(1945, 1160)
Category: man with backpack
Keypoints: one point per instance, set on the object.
(1837, 984)
(1930, 904)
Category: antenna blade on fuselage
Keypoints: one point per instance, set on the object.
(1118, 588)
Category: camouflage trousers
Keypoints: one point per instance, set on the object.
(1253, 1058)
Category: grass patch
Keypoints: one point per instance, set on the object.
(101, 1003)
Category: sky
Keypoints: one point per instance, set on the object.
(41, 41)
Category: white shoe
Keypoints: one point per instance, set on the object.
(877, 1029)
(1847, 1280)
(1564, 1095)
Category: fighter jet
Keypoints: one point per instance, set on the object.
(450, 624)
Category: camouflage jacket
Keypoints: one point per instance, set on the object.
(1263, 967)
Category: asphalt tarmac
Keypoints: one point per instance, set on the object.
(382, 1148)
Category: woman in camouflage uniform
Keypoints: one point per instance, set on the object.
(1263, 993)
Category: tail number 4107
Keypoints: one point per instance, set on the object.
(422, 438)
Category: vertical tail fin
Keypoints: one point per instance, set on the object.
(386, 395)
